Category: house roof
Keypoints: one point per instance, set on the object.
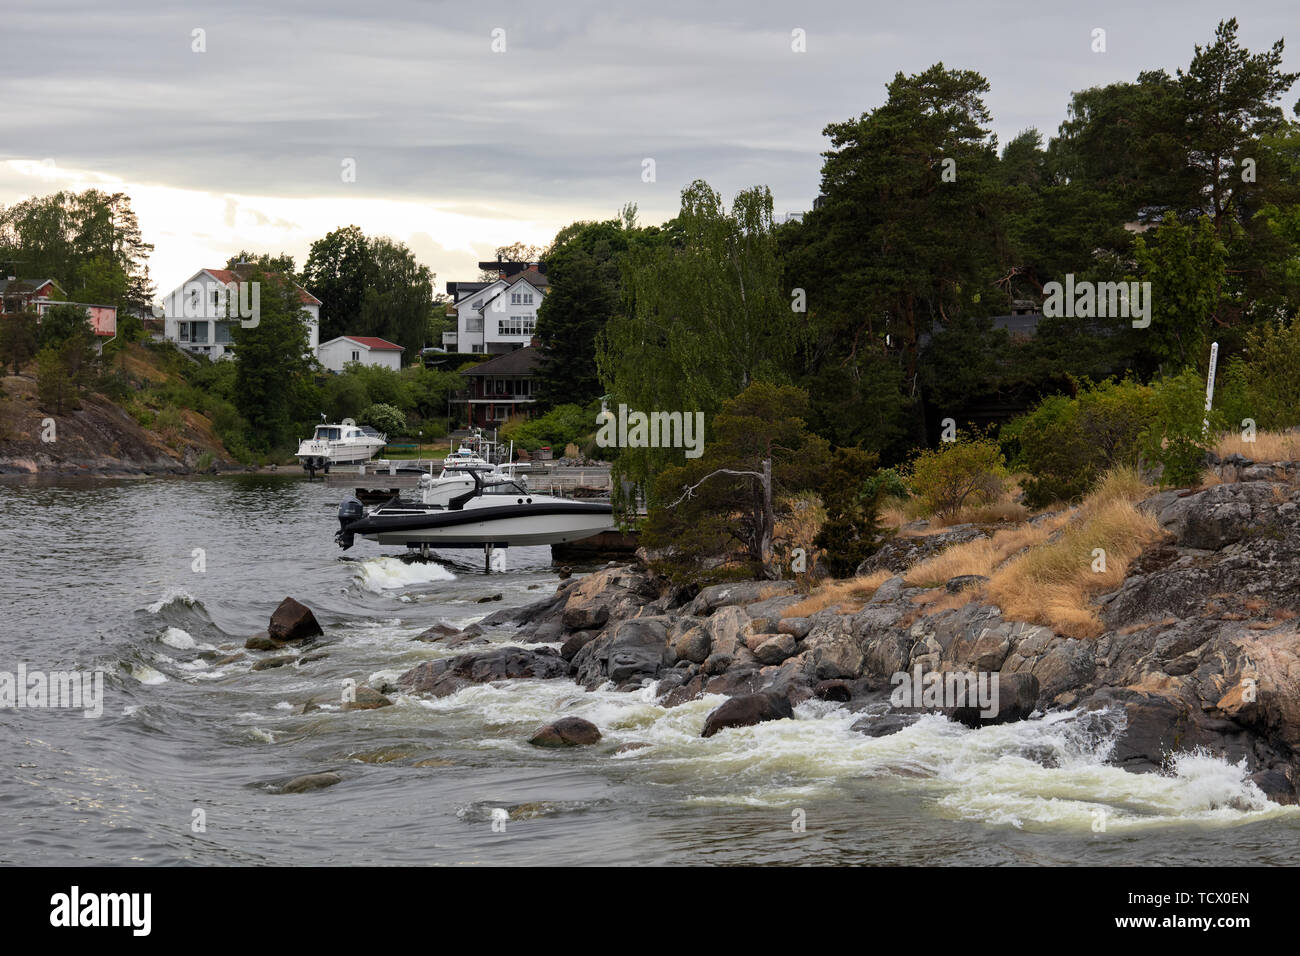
(237, 274)
(24, 286)
(370, 342)
(521, 361)
(530, 278)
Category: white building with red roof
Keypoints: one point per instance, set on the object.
(365, 349)
(200, 313)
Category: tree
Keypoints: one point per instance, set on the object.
(387, 419)
(851, 531)
(761, 451)
(398, 301)
(956, 473)
(707, 316)
(282, 263)
(1185, 266)
(338, 271)
(18, 339)
(272, 365)
(584, 271)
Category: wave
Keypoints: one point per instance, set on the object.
(386, 574)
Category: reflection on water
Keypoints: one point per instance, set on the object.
(159, 582)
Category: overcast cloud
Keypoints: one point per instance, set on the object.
(459, 149)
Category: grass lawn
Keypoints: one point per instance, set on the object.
(437, 449)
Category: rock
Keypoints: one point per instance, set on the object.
(436, 633)
(576, 642)
(716, 663)
(630, 650)
(965, 582)
(746, 711)
(726, 630)
(832, 649)
(796, 627)
(884, 724)
(693, 645)
(448, 675)
(489, 598)
(442, 634)
(776, 649)
(292, 621)
(566, 732)
(267, 663)
(740, 592)
(263, 642)
(1016, 698)
(1218, 516)
(901, 552)
(367, 699)
(836, 690)
(1275, 785)
(609, 594)
(228, 659)
(311, 781)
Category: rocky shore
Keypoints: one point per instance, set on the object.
(1200, 650)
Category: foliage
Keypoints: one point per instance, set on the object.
(1178, 437)
(1270, 376)
(19, 340)
(1067, 443)
(273, 390)
(851, 497)
(387, 419)
(557, 428)
(969, 470)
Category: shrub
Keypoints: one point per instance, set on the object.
(967, 471)
(386, 418)
(561, 426)
(1066, 444)
(1270, 375)
(1177, 437)
(851, 498)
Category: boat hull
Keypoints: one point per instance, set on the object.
(501, 526)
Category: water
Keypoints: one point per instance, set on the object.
(101, 575)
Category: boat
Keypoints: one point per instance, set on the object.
(494, 510)
(346, 443)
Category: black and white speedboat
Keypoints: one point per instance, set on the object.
(496, 511)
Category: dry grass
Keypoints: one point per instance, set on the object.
(848, 595)
(982, 556)
(1054, 583)
(1267, 446)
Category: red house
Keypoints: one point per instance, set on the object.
(500, 387)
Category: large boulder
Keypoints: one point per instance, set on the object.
(566, 732)
(292, 621)
(746, 711)
(610, 594)
(901, 552)
(1016, 699)
(740, 592)
(446, 676)
(727, 630)
(1219, 516)
(634, 650)
(693, 644)
(831, 647)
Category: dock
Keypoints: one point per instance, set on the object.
(579, 481)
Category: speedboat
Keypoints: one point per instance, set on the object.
(492, 511)
(343, 444)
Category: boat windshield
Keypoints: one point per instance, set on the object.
(327, 433)
(504, 488)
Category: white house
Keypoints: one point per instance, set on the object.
(495, 317)
(365, 349)
(199, 313)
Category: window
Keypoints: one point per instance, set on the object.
(183, 329)
(517, 325)
(515, 298)
(528, 298)
(356, 356)
(476, 348)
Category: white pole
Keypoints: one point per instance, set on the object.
(1209, 386)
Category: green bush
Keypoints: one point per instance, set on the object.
(388, 419)
(1066, 444)
(558, 427)
(851, 531)
(1269, 374)
(964, 472)
(1177, 437)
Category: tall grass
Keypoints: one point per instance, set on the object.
(1267, 446)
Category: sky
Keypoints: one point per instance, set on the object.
(468, 126)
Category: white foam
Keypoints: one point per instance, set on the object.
(387, 574)
(145, 674)
(181, 640)
(172, 594)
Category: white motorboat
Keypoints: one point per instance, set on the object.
(494, 511)
(344, 444)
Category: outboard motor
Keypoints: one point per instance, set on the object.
(350, 509)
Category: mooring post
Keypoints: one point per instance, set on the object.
(487, 559)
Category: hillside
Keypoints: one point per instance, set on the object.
(102, 437)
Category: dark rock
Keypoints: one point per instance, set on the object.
(693, 645)
(292, 621)
(630, 650)
(566, 732)
(436, 633)
(965, 582)
(716, 663)
(449, 636)
(263, 642)
(884, 724)
(311, 781)
(901, 552)
(1016, 698)
(775, 649)
(1275, 786)
(367, 699)
(796, 627)
(448, 675)
(488, 599)
(836, 690)
(576, 642)
(267, 663)
(746, 711)
(740, 592)
(1218, 516)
